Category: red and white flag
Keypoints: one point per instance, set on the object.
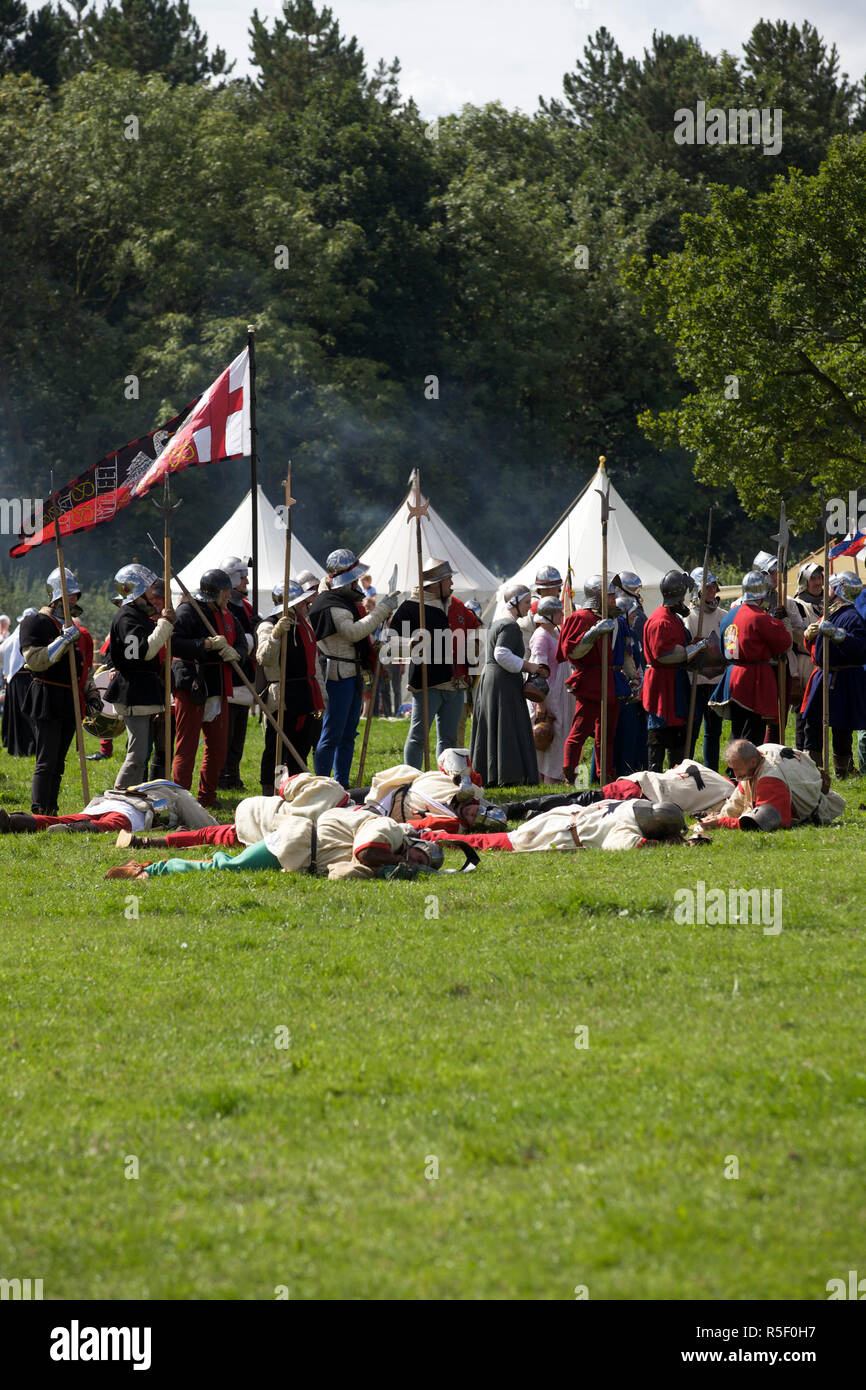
(218, 428)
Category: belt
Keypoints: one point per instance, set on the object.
(398, 802)
(314, 848)
(574, 835)
(61, 685)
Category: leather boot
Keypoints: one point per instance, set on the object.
(16, 823)
(126, 840)
(840, 766)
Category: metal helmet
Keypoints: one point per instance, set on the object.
(805, 573)
(627, 605)
(674, 586)
(547, 576)
(757, 588)
(343, 567)
(697, 577)
(765, 561)
(235, 568)
(549, 608)
(592, 589)
(490, 816)
(132, 581)
(659, 820)
(761, 818)
(297, 593)
(308, 582)
(845, 585)
(630, 583)
(103, 725)
(474, 607)
(212, 583)
(514, 595)
(53, 584)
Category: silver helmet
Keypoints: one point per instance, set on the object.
(133, 581)
(757, 588)
(630, 583)
(592, 589)
(297, 593)
(343, 567)
(474, 607)
(627, 605)
(547, 576)
(549, 608)
(53, 585)
(845, 585)
(766, 562)
(659, 820)
(697, 578)
(235, 568)
(805, 573)
(308, 581)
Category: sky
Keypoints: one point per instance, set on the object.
(456, 51)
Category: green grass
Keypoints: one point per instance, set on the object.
(415, 1036)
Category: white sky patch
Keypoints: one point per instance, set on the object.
(456, 51)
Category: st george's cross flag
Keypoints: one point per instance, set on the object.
(218, 428)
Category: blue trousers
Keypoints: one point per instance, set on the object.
(336, 746)
(446, 707)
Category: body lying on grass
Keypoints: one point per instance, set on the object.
(777, 787)
(134, 809)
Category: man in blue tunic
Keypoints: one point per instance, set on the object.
(845, 630)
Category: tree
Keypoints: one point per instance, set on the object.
(764, 307)
(151, 36)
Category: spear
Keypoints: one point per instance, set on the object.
(690, 722)
(392, 589)
(825, 650)
(284, 644)
(418, 509)
(782, 595)
(212, 632)
(167, 508)
(73, 665)
(601, 753)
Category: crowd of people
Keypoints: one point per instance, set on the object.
(307, 668)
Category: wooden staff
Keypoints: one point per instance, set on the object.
(825, 650)
(374, 690)
(167, 508)
(418, 509)
(601, 753)
(73, 665)
(781, 597)
(212, 632)
(284, 642)
(690, 722)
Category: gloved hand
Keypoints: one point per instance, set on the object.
(283, 626)
(61, 644)
(811, 633)
(228, 653)
(391, 602)
(72, 634)
(828, 629)
(695, 648)
(780, 612)
(220, 644)
(600, 628)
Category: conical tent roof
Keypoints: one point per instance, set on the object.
(236, 538)
(396, 545)
(577, 538)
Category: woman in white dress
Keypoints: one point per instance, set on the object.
(559, 702)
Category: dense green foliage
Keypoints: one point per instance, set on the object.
(489, 250)
(415, 1036)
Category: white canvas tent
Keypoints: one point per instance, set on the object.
(236, 538)
(577, 537)
(396, 545)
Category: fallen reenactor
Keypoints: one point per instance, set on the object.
(691, 786)
(302, 794)
(777, 788)
(346, 843)
(130, 810)
(609, 825)
(450, 797)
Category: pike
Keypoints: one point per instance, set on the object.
(825, 651)
(418, 509)
(392, 589)
(284, 645)
(212, 632)
(73, 665)
(782, 540)
(606, 509)
(167, 508)
(698, 635)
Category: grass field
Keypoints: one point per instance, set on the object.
(432, 1026)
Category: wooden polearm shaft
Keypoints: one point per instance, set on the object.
(417, 509)
(825, 651)
(73, 665)
(167, 507)
(781, 598)
(284, 641)
(601, 753)
(212, 632)
(690, 722)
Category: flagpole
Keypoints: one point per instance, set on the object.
(690, 722)
(417, 510)
(166, 506)
(601, 753)
(73, 665)
(254, 463)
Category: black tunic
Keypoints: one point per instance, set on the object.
(138, 681)
(50, 693)
(503, 750)
(18, 737)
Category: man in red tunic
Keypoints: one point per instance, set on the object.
(579, 643)
(668, 650)
(753, 639)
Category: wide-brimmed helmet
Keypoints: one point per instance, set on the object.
(343, 567)
(133, 581)
(846, 585)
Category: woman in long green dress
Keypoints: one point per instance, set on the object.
(503, 750)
